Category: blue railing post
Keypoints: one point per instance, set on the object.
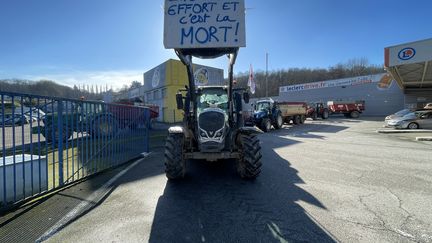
(3, 149)
(60, 141)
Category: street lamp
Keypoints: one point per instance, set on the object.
(266, 74)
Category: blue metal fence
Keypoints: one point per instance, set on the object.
(49, 142)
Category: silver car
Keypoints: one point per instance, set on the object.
(400, 113)
(413, 120)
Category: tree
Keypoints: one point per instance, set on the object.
(134, 85)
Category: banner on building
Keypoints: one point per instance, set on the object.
(334, 83)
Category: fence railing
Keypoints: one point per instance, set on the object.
(48, 142)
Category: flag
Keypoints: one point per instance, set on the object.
(251, 82)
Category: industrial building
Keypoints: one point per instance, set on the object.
(411, 66)
(407, 83)
(380, 92)
(162, 82)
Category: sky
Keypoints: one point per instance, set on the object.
(114, 42)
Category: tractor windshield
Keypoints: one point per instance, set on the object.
(213, 98)
(262, 106)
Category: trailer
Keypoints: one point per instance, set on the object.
(293, 111)
(268, 113)
(351, 109)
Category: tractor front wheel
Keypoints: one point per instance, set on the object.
(249, 165)
(175, 166)
(266, 125)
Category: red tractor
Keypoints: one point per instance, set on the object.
(316, 110)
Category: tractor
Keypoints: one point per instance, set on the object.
(213, 127)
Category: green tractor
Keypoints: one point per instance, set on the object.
(213, 127)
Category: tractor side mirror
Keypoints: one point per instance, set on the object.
(246, 97)
(179, 100)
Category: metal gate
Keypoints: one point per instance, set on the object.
(49, 142)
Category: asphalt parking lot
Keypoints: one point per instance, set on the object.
(324, 181)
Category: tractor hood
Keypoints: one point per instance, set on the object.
(260, 114)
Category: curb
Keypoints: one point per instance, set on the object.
(405, 131)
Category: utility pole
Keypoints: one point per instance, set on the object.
(266, 74)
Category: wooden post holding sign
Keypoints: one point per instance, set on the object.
(204, 24)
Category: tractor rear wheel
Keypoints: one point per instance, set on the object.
(325, 114)
(104, 126)
(249, 165)
(175, 166)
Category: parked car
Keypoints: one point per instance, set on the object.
(412, 120)
(34, 112)
(403, 112)
(14, 119)
(400, 113)
(428, 106)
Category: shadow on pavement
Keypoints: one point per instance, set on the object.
(307, 130)
(212, 204)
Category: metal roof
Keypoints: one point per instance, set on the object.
(411, 64)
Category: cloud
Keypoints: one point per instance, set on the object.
(116, 78)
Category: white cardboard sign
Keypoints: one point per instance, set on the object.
(204, 24)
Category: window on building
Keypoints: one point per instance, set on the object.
(164, 93)
(157, 94)
(149, 96)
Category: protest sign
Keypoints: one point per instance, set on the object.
(204, 24)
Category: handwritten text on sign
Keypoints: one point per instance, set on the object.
(204, 24)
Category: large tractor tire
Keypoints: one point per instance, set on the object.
(279, 122)
(53, 134)
(104, 126)
(325, 114)
(175, 166)
(266, 125)
(249, 165)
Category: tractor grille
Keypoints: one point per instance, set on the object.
(211, 121)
